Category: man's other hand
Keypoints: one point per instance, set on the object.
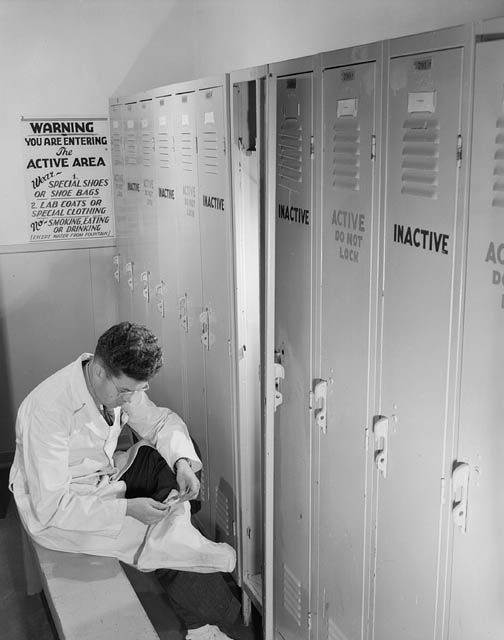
(146, 510)
(188, 483)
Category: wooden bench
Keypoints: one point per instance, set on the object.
(90, 597)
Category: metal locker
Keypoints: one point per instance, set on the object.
(421, 263)
(248, 158)
(146, 242)
(117, 137)
(476, 485)
(216, 319)
(164, 289)
(344, 394)
(132, 160)
(294, 213)
(190, 295)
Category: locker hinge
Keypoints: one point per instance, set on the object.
(309, 620)
(234, 528)
(443, 486)
(373, 147)
(224, 146)
(310, 400)
(312, 147)
(459, 150)
(196, 143)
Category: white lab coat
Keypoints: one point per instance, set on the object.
(65, 473)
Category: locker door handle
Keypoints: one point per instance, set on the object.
(279, 374)
(159, 293)
(117, 272)
(205, 329)
(129, 273)
(320, 398)
(183, 319)
(380, 429)
(460, 487)
(144, 277)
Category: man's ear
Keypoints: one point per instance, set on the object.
(99, 370)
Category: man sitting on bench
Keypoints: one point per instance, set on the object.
(76, 493)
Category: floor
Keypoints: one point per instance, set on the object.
(27, 617)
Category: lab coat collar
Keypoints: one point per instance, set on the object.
(80, 395)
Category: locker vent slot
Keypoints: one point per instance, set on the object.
(186, 151)
(116, 144)
(346, 158)
(498, 185)
(147, 149)
(290, 150)
(334, 632)
(420, 158)
(165, 151)
(292, 594)
(131, 149)
(223, 513)
(210, 153)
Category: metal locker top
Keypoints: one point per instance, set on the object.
(431, 40)
(296, 65)
(351, 55)
(250, 73)
(494, 28)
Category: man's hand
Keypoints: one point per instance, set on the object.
(188, 483)
(146, 510)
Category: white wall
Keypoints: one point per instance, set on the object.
(66, 57)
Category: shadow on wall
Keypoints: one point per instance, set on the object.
(167, 58)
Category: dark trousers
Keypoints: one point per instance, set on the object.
(196, 598)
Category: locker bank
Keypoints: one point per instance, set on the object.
(308, 206)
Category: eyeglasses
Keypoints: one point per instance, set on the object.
(128, 392)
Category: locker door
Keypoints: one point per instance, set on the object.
(478, 573)
(117, 136)
(190, 284)
(144, 251)
(247, 132)
(217, 315)
(132, 204)
(293, 325)
(348, 321)
(146, 241)
(410, 436)
(165, 287)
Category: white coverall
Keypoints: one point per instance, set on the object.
(64, 477)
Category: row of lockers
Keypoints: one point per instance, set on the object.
(387, 317)
(360, 259)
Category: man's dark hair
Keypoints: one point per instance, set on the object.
(130, 349)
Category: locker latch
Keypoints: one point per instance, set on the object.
(320, 400)
(207, 337)
(460, 488)
(144, 277)
(279, 373)
(159, 293)
(380, 430)
(205, 329)
(117, 272)
(183, 317)
(129, 273)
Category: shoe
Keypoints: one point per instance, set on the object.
(207, 632)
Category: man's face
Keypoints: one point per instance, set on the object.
(114, 391)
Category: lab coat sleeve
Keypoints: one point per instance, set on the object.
(163, 428)
(45, 438)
